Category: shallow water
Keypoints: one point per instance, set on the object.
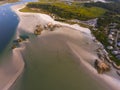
(51, 65)
(8, 23)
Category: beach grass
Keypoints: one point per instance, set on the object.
(65, 11)
(26, 9)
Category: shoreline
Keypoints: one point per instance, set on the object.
(109, 80)
(20, 65)
(21, 16)
(72, 47)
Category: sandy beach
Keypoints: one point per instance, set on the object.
(10, 69)
(81, 45)
(85, 48)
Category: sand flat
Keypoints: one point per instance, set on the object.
(81, 41)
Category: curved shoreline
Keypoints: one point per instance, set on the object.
(30, 30)
(21, 68)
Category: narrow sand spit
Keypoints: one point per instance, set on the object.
(11, 70)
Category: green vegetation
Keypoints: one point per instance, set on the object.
(26, 9)
(108, 18)
(102, 37)
(112, 57)
(113, 7)
(66, 11)
(111, 16)
(105, 12)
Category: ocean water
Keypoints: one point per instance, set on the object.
(8, 24)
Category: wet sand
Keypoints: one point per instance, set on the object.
(79, 42)
(51, 64)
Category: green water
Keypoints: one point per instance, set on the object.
(50, 65)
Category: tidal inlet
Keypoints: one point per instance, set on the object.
(59, 45)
